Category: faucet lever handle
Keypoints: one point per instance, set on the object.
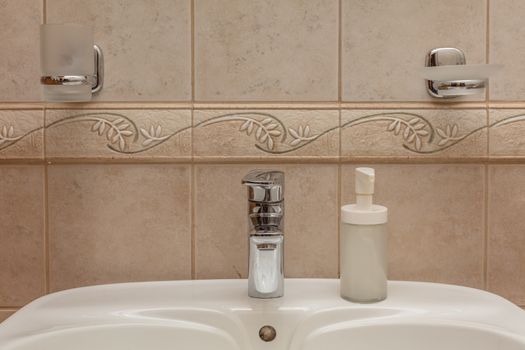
(265, 186)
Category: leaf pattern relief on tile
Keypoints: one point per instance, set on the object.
(268, 130)
(8, 136)
(120, 131)
(417, 133)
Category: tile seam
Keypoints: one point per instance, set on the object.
(265, 105)
(487, 228)
(339, 195)
(192, 209)
(487, 45)
(233, 160)
(46, 213)
(486, 166)
(192, 33)
(300, 160)
(340, 52)
(192, 220)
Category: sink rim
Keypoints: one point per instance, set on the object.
(308, 299)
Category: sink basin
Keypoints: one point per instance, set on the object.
(218, 315)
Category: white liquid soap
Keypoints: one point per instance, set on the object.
(364, 240)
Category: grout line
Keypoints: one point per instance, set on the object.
(276, 105)
(22, 161)
(192, 202)
(340, 53)
(267, 105)
(192, 220)
(192, 33)
(46, 232)
(248, 104)
(338, 215)
(339, 198)
(487, 46)
(487, 144)
(340, 132)
(459, 105)
(118, 105)
(342, 160)
(44, 11)
(192, 131)
(272, 160)
(486, 232)
(486, 205)
(46, 213)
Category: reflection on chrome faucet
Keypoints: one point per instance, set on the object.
(266, 241)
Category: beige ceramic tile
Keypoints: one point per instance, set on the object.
(266, 50)
(4, 314)
(506, 27)
(435, 220)
(21, 134)
(506, 241)
(21, 234)
(384, 44)
(118, 223)
(221, 223)
(151, 134)
(414, 133)
(146, 44)
(506, 132)
(20, 42)
(266, 133)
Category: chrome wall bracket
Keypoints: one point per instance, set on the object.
(449, 87)
(96, 81)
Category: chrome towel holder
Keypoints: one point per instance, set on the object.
(448, 75)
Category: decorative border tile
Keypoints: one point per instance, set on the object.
(507, 127)
(266, 133)
(254, 134)
(448, 133)
(21, 134)
(118, 134)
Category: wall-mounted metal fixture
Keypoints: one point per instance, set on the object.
(72, 65)
(448, 75)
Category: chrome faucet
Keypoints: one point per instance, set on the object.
(266, 240)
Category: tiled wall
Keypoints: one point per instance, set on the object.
(143, 183)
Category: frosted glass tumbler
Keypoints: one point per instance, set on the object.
(67, 50)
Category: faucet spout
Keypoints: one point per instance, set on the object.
(266, 273)
(266, 239)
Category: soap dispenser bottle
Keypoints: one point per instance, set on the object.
(363, 256)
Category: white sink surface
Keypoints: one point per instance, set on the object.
(218, 315)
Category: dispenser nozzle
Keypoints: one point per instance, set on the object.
(364, 187)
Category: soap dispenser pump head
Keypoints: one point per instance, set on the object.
(364, 187)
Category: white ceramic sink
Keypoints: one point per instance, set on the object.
(218, 315)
